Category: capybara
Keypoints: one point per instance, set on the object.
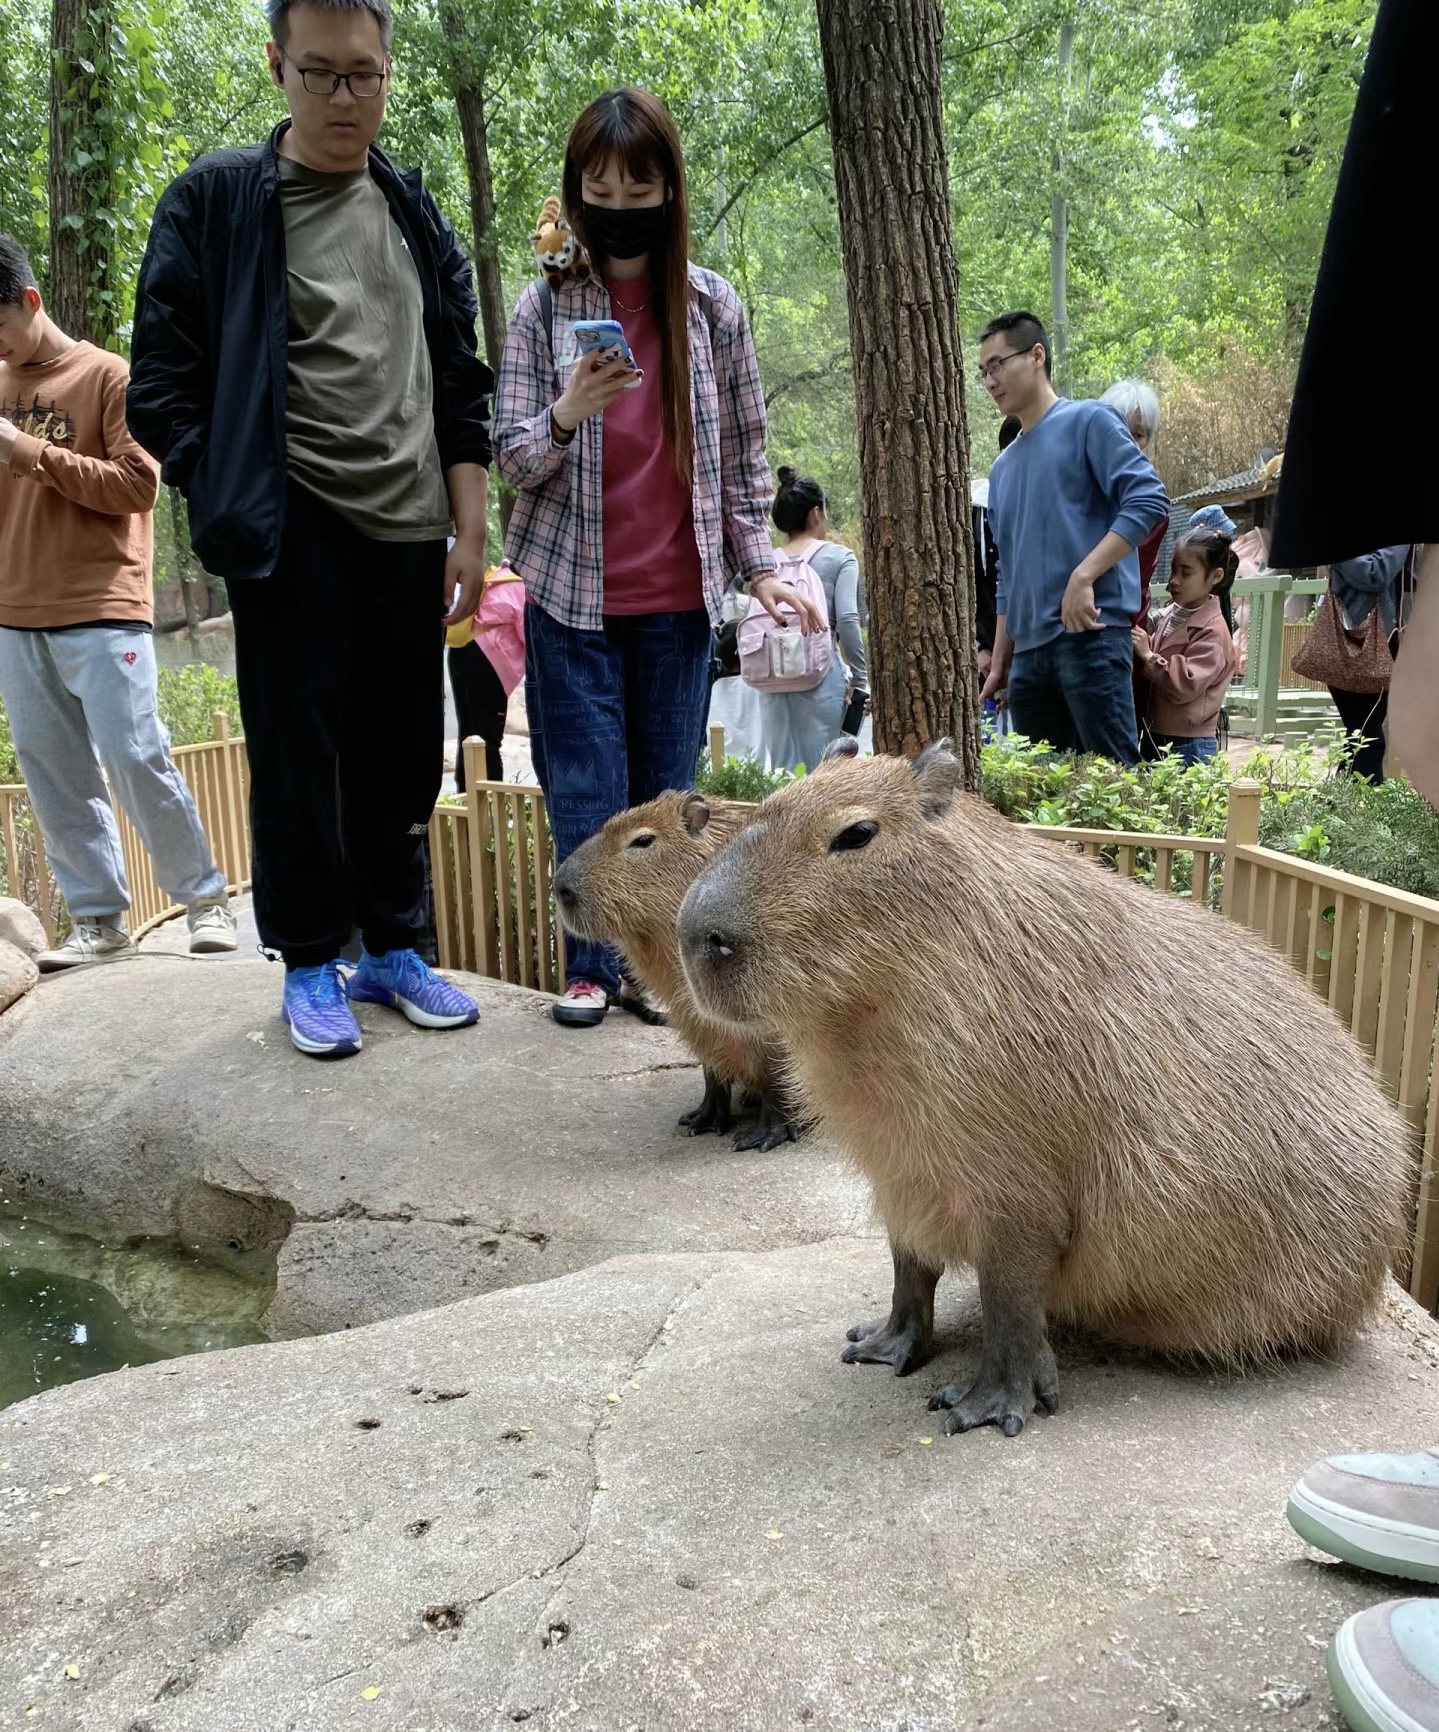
(1125, 1111)
(625, 885)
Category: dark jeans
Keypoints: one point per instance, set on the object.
(1190, 750)
(338, 654)
(615, 719)
(1077, 692)
(480, 708)
(1363, 713)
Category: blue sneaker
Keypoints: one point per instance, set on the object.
(317, 1008)
(400, 979)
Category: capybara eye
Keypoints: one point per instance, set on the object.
(645, 839)
(857, 836)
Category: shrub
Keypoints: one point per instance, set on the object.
(190, 695)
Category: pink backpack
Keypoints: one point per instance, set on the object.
(775, 658)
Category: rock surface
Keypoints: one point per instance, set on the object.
(20, 926)
(648, 1495)
(18, 974)
(164, 1096)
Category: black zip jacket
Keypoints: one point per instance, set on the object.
(209, 358)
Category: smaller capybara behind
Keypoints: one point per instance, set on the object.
(1125, 1111)
(624, 886)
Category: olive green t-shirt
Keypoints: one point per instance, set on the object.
(359, 420)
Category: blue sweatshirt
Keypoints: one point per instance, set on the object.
(1053, 496)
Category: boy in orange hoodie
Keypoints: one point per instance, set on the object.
(77, 664)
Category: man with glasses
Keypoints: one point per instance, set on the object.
(304, 366)
(1069, 501)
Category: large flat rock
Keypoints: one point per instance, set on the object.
(163, 1095)
(649, 1495)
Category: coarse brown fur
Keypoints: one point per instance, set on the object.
(625, 885)
(1045, 1069)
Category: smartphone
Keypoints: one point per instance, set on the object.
(606, 335)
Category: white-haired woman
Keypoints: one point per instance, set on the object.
(1138, 407)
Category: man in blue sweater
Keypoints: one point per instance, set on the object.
(1069, 502)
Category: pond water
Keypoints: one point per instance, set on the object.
(72, 1306)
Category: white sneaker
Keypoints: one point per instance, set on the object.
(212, 928)
(90, 941)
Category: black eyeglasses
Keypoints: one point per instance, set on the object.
(320, 81)
(992, 369)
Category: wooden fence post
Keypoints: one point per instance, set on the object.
(717, 746)
(219, 725)
(1241, 830)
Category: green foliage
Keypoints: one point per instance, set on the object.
(1308, 807)
(1385, 832)
(738, 779)
(189, 697)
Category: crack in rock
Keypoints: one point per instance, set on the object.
(603, 1424)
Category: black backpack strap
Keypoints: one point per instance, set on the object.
(547, 311)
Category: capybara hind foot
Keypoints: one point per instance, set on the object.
(713, 1112)
(904, 1339)
(773, 1127)
(1004, 1394)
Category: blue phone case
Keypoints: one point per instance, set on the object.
(593, 334)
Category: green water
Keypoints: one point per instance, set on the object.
(72, 1306)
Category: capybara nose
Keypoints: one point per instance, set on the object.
(719, 947)
(565, 892)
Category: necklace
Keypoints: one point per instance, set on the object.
(642, 307)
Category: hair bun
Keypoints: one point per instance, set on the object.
(787, 476)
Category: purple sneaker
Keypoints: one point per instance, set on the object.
(400, 979)
(316, 1006)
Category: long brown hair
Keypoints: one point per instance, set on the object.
(634, 130)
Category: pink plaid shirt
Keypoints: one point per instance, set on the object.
(556, 535)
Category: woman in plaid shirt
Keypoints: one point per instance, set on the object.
(642, 493)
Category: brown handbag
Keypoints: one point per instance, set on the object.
(1349, 661)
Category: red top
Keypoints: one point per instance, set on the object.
(1148, 559)
(652, 561)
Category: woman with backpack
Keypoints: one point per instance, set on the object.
(641, 493)
(797, 725)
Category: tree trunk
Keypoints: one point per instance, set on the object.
(882, 70)
(467, 88)
(78, 247)
(1059, 220)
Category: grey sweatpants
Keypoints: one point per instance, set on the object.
(73, 695)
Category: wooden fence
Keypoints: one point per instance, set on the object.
(1371, 952)
(491, 866)
(218, 774)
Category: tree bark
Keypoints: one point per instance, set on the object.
(71, 116)
(1059, 220)
(882, 69)
(77, 241)
(467, 87)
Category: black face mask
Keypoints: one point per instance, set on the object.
(625, 234)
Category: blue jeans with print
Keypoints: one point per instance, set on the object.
(1077, 692)
(616, 717)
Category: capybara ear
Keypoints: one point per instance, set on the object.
(938, 776)
(695, 813)
(846, 746)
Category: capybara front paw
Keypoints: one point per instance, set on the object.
(904, 1346)
(712, 1115)
(1005, 1398)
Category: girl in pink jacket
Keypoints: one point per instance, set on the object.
(1188, 660)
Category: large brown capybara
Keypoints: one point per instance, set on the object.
(624, 886)
(1125, 1111)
